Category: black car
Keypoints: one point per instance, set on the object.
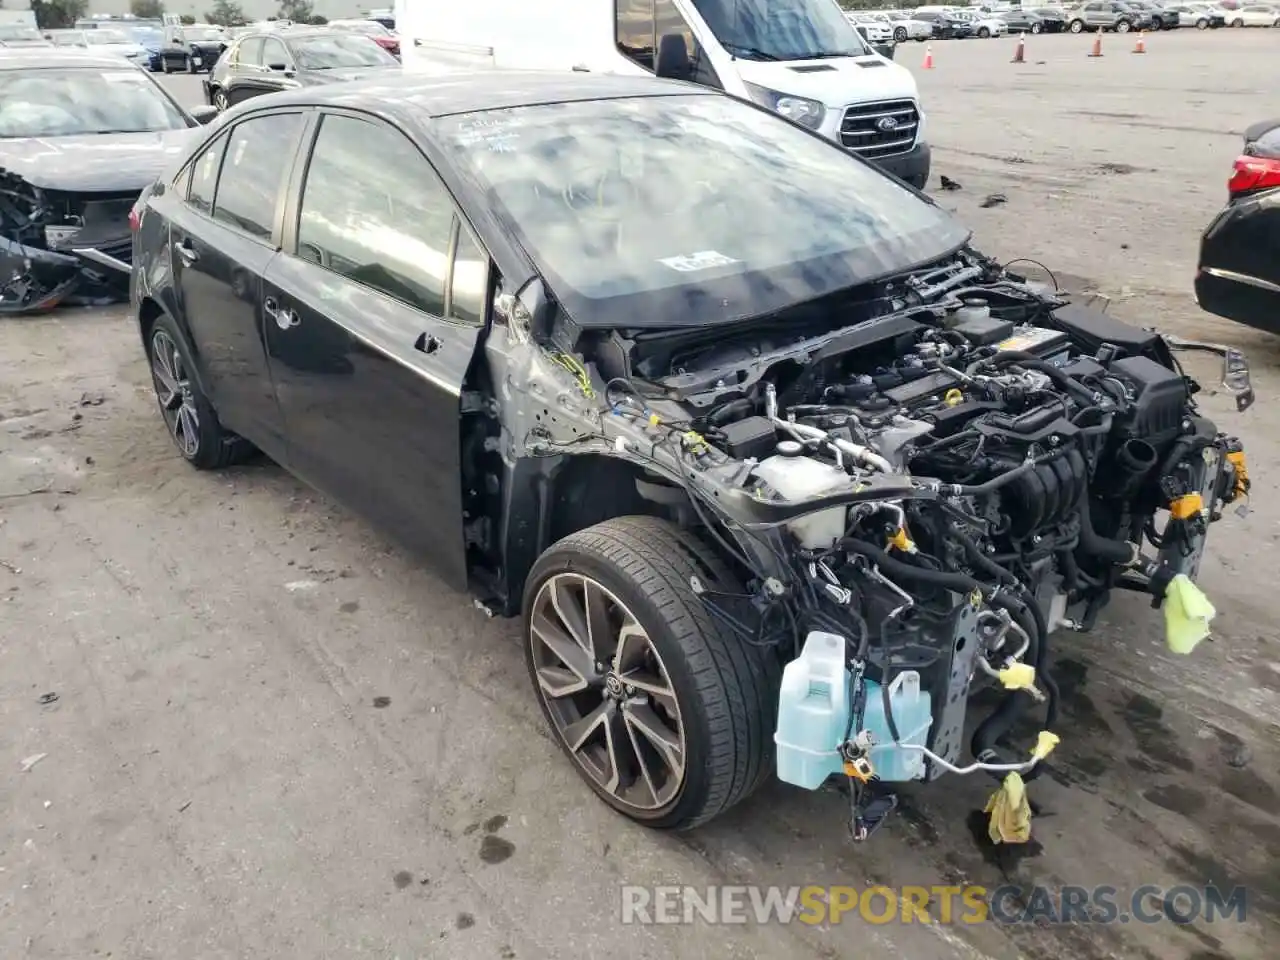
(274, 60)
(1021, 22)
(191, 49)
(72, 163)
(1052, 19)
(945, 27)
(1239, 272)
(574, 341)
(1163, 17)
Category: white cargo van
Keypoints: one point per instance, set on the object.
(801, 58)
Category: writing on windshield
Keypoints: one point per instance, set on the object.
(781, 29)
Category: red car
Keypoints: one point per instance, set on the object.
(379, 34)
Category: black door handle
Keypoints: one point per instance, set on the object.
(283, 316)
(426, 343)
(186, 251)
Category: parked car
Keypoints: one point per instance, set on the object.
(20, 35)
(1018, 21)
(109, 40)
(945, 25)
(1053, 19)
(67, 38)
(465, 307)
(379, 34)
(1255, 15)
(871, 29)
(1202, 16)
(906, 27)
(72, 163)
(1162, 17)
(1239, 273)
(983, 25)
(1105, 15)
(193, 49)
(270, 61)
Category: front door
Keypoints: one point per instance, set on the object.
(222, 239)
(369, 346)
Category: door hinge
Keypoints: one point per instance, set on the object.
(473, 401)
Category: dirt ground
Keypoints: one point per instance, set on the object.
(270, 734)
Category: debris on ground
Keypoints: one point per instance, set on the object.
(948, 183)
(45, 698)
(92, 399)
(994, 200)
(31, 761)
(12, 568)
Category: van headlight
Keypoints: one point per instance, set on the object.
(801, 110)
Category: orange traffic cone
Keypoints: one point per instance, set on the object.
(928, 56)
(1097, 45)
(1141, 45)
(1020, 54)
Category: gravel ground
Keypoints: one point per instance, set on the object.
(275, 736)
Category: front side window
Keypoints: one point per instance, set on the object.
(273, 54)
(781, 29)
(374, 211)
(470, 280)
(686, 209)
(250, 52)
(655, 35)
(74, 101)
(259, 155)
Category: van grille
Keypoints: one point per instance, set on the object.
(861, 130)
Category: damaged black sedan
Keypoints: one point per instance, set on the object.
(80, 136)
(777, 468)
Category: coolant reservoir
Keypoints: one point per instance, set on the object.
(912, 715)
(801, 478)
(813, 712)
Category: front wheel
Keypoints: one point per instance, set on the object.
(1202, 24)
(220, 100)
(983, 32)
(164, 64)
(666, 715)
(187, 413)
(1237, 23)
(1122, 26)
(1076, 26)
(1036, 28)
(191, 65)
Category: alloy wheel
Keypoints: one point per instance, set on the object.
(607, 692)
(220, 100)
(175, 393)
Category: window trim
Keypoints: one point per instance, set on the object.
(292, 213)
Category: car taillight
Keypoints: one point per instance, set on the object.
(1253, 173)
(134, 220)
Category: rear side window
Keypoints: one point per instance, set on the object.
(374, 211)
(204, 175)
(258, 157)
(273, 53)
(250, 51)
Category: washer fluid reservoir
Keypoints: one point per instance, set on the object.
(803, 478)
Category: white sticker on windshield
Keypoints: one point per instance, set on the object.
(495, 134)
(702, 260)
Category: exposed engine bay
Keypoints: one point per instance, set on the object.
(62, 248)
(919, 499)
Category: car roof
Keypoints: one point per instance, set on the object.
(287, 33)
(424, 95)
(43, 58)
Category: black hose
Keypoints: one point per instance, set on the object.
(1032, 362)
(985, 563)
(957, 582)
(1093, 543)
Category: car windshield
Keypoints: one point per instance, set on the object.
(678, 211)
(339, 51)
(101, 37)
(201, 34)
(146, 35)
(782, 29)
(73, 39)
(71, 101)
(19, 34)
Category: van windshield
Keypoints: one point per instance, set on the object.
(689, 210)
(782, 29)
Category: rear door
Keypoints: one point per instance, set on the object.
(222, 240)
(376, 306)
(244, 74)
(277, 66)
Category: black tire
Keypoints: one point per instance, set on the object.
(1237, 23)
(164, 64)
(191, 64)
(214, 447)
(220, 99)
(1202, 24)
(900, 35)
(1123, 26)
(1076, 26)
(726, 690)
(1036, 28)
(984, 32)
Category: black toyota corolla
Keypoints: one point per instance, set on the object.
(671, 378)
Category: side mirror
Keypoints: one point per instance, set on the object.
(203, 113)
(278, 67)
(886, 50)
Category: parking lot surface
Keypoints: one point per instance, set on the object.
(274, 736)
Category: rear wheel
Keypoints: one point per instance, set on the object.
(1036, 28)
(220, 99)
(1076, 26)
(900, 35)
(187, 413)
(666, 715)
(1122, 26)
(983, 32)
(164, 64)
(1202, 24)
(1237, 22)
(191, 65)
